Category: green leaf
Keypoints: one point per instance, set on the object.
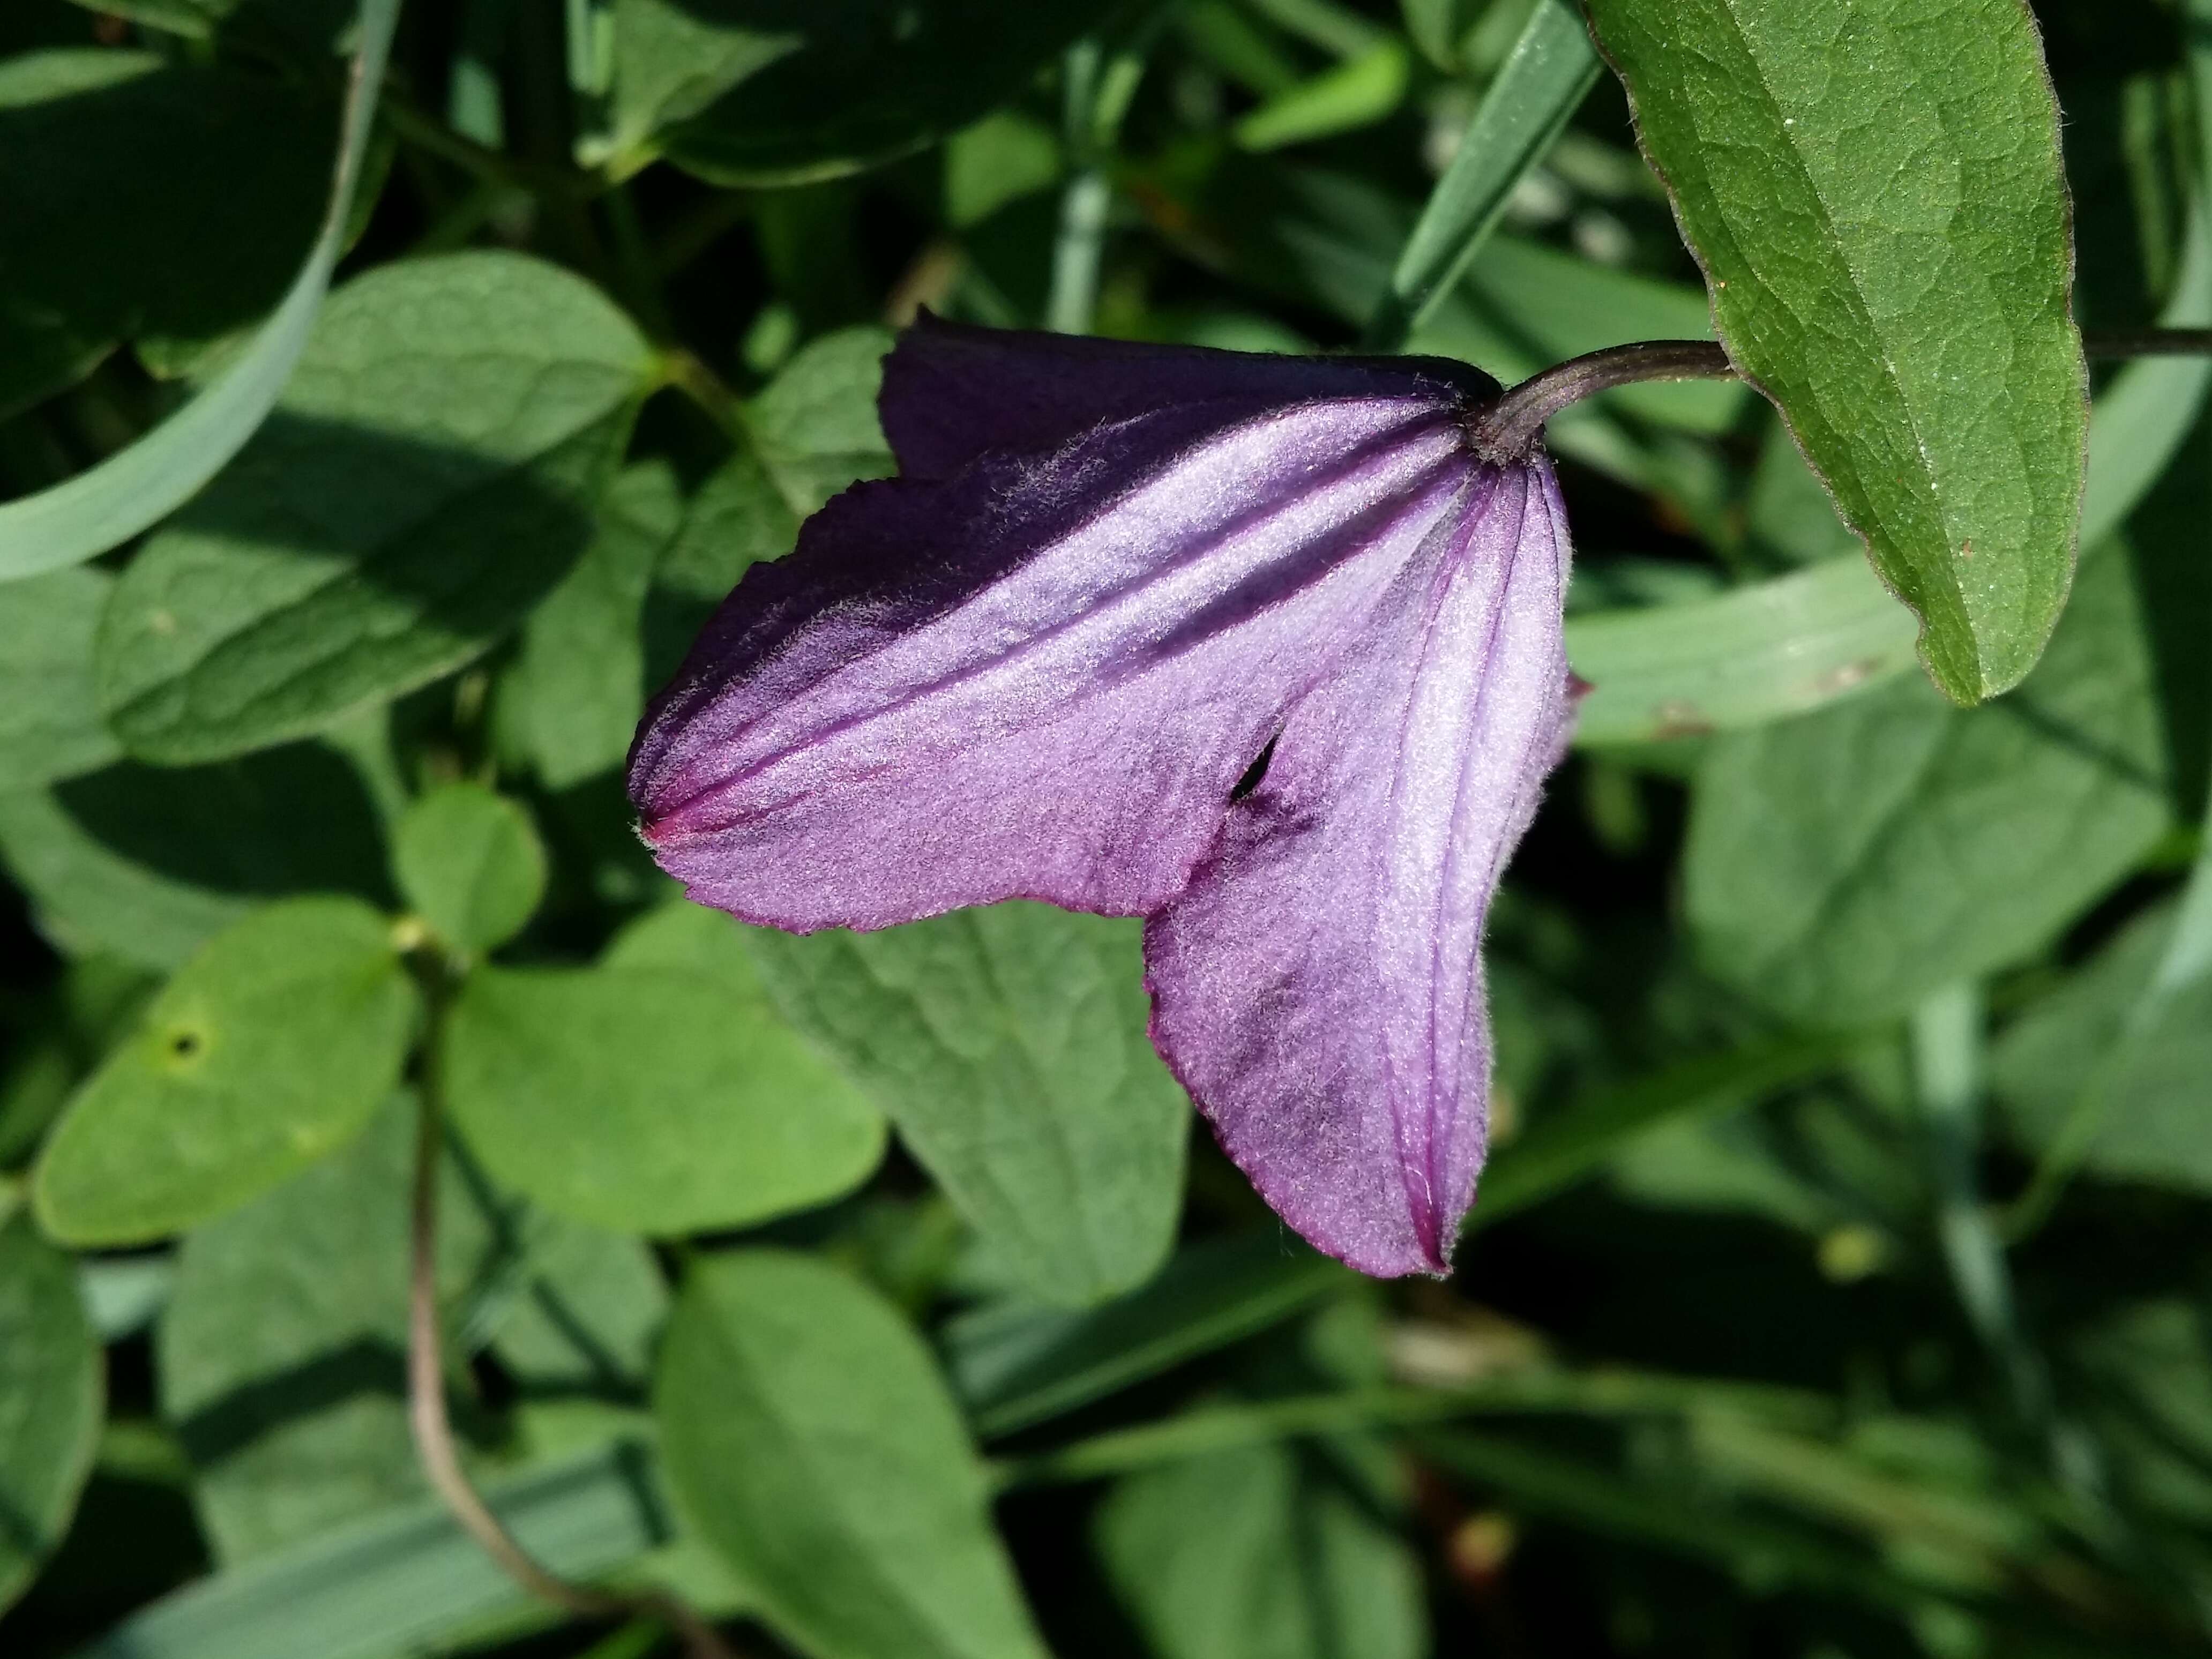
(738, 518)
(1877, 195)
(815, 424)
(281, 1354)
(49, 726)
(1842, 865)
(150, 863)
(1002, 158)
(1543, 81)
(1248, 1554)
(1561, 1152)
(50, 1401)
(427, 478)
(268, 1050)
(2152, 1125)
(405, 1578)
(585, 1316)
(469, 859)
(1355, 94)
(811, 1441)
(1008, 1045)
(660, 1092)
(1756, 653)
(730, 96)
(1015, 1363)
(577, 688)
(1792, 643)
(175, 201)
(112, 502)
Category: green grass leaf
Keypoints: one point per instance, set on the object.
(111, 502)
(811, 1440)
(1875, 192)
(51, 1400)
(427, 479)
(1542, 81)
(268, 1050)
(1842, 865)
(1015, 1363)
(145, 199)
(659, 1092)
(470, 861)
(404, 1577)
(1008, 1046)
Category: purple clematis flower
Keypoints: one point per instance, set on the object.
(1262, 649)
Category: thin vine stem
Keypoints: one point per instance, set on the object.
(1510, 429)
(434, 1434)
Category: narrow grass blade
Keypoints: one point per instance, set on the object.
(84, 516)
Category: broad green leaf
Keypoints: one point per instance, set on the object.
(1841, 864)
(1540, 86)
(151, 862)
(281, 1353)
(815, 424)
(428, 476)
(811, 1440)
(1249, 1554)
(1015, 1363)
(49, 727)
(175, 201)
(586, 1315)
(2154, 1120)
(269, 1050)
(738, 518)
(1002, 158)
(1875, 192)
(578, 687)
(1008, 1046)
(49, 1400)
(56, 1037)
(810, 433)
(659, 1092)
(672, 60)
(469, 861)
(741, 97)
(134, 488)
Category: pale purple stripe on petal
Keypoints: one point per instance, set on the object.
(1041, 678)
(1318, 988)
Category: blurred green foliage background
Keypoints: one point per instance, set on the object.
(1842, 1283)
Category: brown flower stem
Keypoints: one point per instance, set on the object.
(434, 1433)
(1510, 429)
(2147, 342)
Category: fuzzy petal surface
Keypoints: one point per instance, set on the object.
(1041, 677)
(1318, 987)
